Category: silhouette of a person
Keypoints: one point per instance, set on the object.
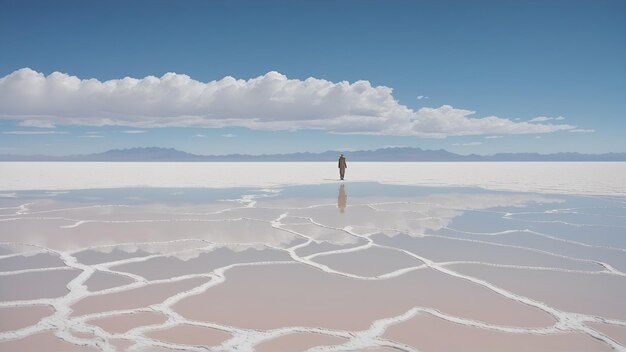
(342, 199)
(342, 166)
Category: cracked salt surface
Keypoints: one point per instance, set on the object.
(303, 268)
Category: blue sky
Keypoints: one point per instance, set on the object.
(561, 63)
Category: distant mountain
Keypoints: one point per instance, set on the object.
(384, 154)
(553, 157)
(132, 154)
(141, 154)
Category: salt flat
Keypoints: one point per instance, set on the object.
(264, 256)
(607, 178)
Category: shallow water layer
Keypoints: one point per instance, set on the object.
(330, 267)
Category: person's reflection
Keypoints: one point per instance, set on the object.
(342, 199)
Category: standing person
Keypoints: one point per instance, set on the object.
(342, 166)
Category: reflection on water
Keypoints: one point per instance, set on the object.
(171, 264)
(342, 199)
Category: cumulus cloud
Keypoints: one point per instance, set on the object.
(269, 102)
(420, 97)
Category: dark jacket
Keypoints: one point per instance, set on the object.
(342, 162)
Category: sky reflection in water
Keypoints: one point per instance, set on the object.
(358, 264)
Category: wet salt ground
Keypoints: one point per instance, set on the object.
(362, 266)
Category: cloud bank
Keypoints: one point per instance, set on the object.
(268, 102)
(34, 132)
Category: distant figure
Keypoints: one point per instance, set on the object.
(342, 199)
(342, 166)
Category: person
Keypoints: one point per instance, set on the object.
(342, 166)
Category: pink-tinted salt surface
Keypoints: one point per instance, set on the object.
(125, 322)
(121, 344)
(296, 342)
(134, 298)
(319, 233)
(265, 297)
(428, 333)
(22, 262)
(68, 235)
(595, 294)
(373, 261)
(444, 250)
(202, 262)
(13, 318)
(616, 332)
(190, 335)
(43, 341)
(35, 285)
(101, 280)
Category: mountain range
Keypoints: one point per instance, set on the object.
(383, 154)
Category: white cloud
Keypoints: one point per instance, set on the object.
(229, 135)
(269, 102)
(546, 118)
(37, 124)
(92, 136)
(582, 130)
(34, 132)
(537, 137)
(468, 144)
(199, 136)
(493, 137)
(420, 97)
(389, 146)
(134, 131)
